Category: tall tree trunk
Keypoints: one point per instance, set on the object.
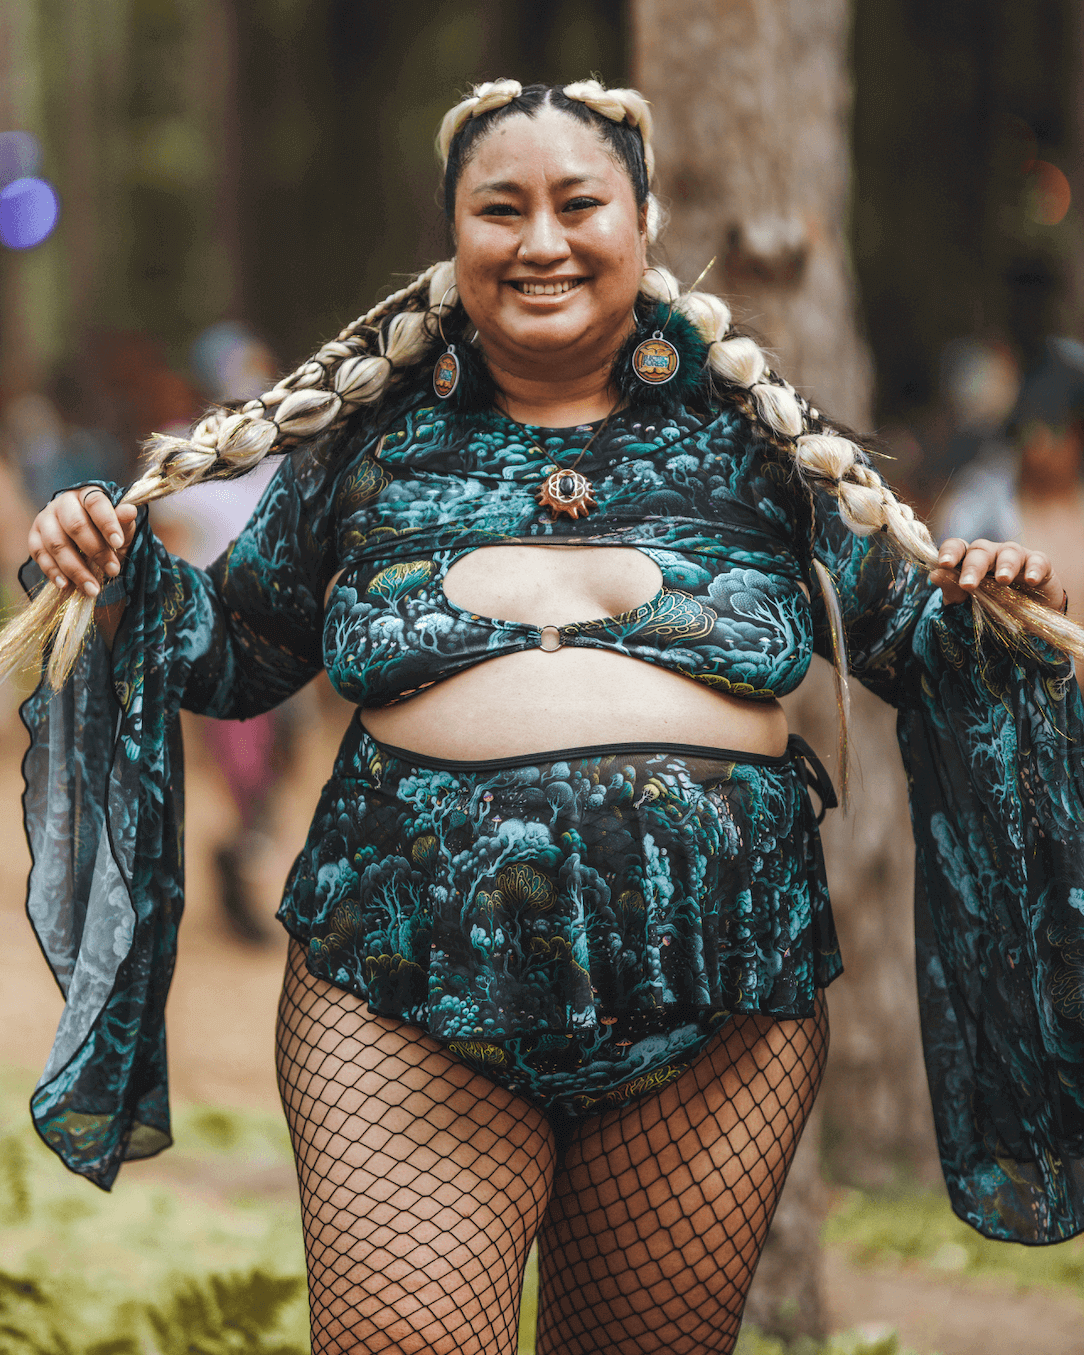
(20, 110)
(752, 99)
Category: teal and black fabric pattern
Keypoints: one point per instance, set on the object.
(992, 739)
(730, 612)
(554, 893)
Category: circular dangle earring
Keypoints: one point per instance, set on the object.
(446, 372)
(656, 360)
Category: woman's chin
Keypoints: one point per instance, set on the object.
(573, 345)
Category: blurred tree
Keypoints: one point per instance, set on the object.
(269, 162)
(955, 107)
(339, 102)
(752, 105)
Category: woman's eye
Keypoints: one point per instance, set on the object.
(499, 209)
(580, 204)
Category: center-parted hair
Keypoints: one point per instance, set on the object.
(397, 342)
(625, 129)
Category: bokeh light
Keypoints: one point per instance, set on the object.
(28, 212)
(20, 156)
(1049, 194)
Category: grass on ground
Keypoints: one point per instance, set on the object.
(210, 1259)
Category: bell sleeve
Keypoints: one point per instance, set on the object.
(993, 745)
(103, 805)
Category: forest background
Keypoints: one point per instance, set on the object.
(885, 184)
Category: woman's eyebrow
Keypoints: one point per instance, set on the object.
(510, 186)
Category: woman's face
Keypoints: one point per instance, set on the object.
(551, 246)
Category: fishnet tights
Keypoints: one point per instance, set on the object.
(423, 1185)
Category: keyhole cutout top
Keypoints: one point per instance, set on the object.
(543, 585)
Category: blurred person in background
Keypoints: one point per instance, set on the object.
(979, 385)
(231, 364)
(1027, 485)
(50, 452)
(978, 381)
(560, 930)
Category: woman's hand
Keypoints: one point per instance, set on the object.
(78, 529)
(1009, 563)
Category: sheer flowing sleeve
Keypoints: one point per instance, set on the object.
(103, 804)
(993, 746)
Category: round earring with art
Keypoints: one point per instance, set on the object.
(656, 360)
(446, 373)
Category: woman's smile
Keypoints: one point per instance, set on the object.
(551, 245)
(551, 288)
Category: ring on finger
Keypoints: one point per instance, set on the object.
(94, 489)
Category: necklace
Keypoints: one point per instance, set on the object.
(565, 490)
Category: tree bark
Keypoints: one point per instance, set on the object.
(752, 101)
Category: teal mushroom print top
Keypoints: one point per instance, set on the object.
(992, 740)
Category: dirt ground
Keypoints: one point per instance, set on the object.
(221, 1029)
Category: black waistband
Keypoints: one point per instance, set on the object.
(813, 770)
(810, 766)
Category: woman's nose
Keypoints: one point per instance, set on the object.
(543, 241)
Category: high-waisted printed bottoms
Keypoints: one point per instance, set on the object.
(576, 925)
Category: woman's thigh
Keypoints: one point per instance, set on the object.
(422, 1182)
(660, 1211)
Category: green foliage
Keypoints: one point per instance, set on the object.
(209, 1264)
(14, 1185)
(238, 1314)
(919, 1226)
(528, 1308)
(752, 1342)
(227, 1315)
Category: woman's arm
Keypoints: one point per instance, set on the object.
(236, 638)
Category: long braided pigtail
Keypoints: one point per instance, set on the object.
(826, 460)
(357, 368)
(823, 458)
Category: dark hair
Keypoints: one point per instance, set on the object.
(624, 142)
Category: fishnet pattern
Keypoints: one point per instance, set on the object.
(422, 1182)
(423, 1185)
(660, 1212)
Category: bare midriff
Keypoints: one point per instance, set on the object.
(537, 701)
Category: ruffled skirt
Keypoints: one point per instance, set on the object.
(565, 892)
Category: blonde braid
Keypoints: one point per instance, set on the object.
(625, 105)
(482, 99)
(826, 459)
(356, 368)
(619, 105)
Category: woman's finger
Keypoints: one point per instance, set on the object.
(1008, 562)
(977, 563)
(85, 536)
(952, 552)
(69, 560)
(1037, 569)
(98, 506)
(44, 560)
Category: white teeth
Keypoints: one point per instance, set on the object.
(547, 288)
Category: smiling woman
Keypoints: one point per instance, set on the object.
(551, 247)
(560, 927)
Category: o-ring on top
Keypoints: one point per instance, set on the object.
(730, 614)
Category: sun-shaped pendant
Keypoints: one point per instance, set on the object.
(567, 491)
